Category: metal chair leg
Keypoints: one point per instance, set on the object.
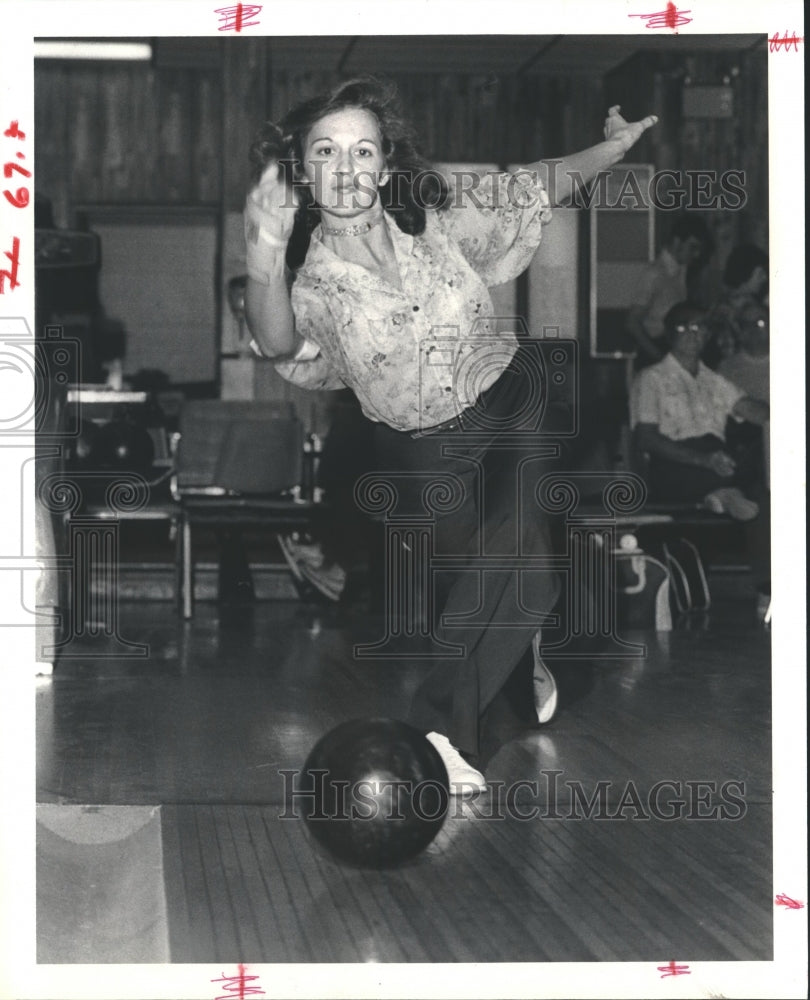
(187, 588)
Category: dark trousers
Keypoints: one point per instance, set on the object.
(676, 482)
(345, 532)
(496, 515)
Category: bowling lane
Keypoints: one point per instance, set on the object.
(204, 724)
(220, 706)
(486, 889)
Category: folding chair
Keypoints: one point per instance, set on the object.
(238, 464)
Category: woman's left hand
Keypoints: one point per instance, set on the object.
(625, 134)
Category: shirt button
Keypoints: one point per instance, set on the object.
(416, 309)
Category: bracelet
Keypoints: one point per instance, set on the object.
(259, 262)
(273, 241)
(306, 350)
(254, 232)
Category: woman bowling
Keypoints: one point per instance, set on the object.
(385, 260)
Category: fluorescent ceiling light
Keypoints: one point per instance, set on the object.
(86, 49)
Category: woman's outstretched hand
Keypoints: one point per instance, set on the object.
(625, 134)
(270, 207)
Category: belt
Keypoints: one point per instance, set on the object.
(479, 407)
(446, 427)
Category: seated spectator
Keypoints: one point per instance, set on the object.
(749, 367)
(679, 409)
(664, 285)
(745, 280)
(746, 275)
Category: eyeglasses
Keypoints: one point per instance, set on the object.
(692, 328)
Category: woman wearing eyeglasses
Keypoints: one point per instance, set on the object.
(679, 410)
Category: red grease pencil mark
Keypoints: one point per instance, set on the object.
(14, 257)
(237, 17)
(788, 903)
(237, 986)
(13, 131)
(9, 167)
(670, 18)
(775, 43)
(18, 199)
(674, 970)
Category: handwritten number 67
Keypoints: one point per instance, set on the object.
(18, 200)
(9, 167)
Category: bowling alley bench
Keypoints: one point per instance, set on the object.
(231, 466)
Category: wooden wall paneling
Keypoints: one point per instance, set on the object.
(528, 125)
(208, 148)
(244, 107)
(415, 91)
(142, 133)
(466, 117)
(752, 120)
(151, 188)
(82, 103)
(504, 102)
(240, 112)
(484, 94)
(288, 88)
(52, 178)
(467, 114)
(174, 164)
(277, 95)
(445, 141)
(122, 145)
(562, 116)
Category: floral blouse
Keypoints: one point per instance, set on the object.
(418, 356)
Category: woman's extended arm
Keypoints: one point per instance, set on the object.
(269, 217)
(564, 176)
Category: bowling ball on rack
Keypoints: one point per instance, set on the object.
(379, 792)
(123, 446)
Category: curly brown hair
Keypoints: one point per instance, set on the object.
(414, 187)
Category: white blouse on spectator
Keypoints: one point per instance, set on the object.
(681, 405)
(405, 352)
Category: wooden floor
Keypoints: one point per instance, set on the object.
(203, 724)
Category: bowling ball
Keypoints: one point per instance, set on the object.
(380, 792)
(125, 447)
(81, 449)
